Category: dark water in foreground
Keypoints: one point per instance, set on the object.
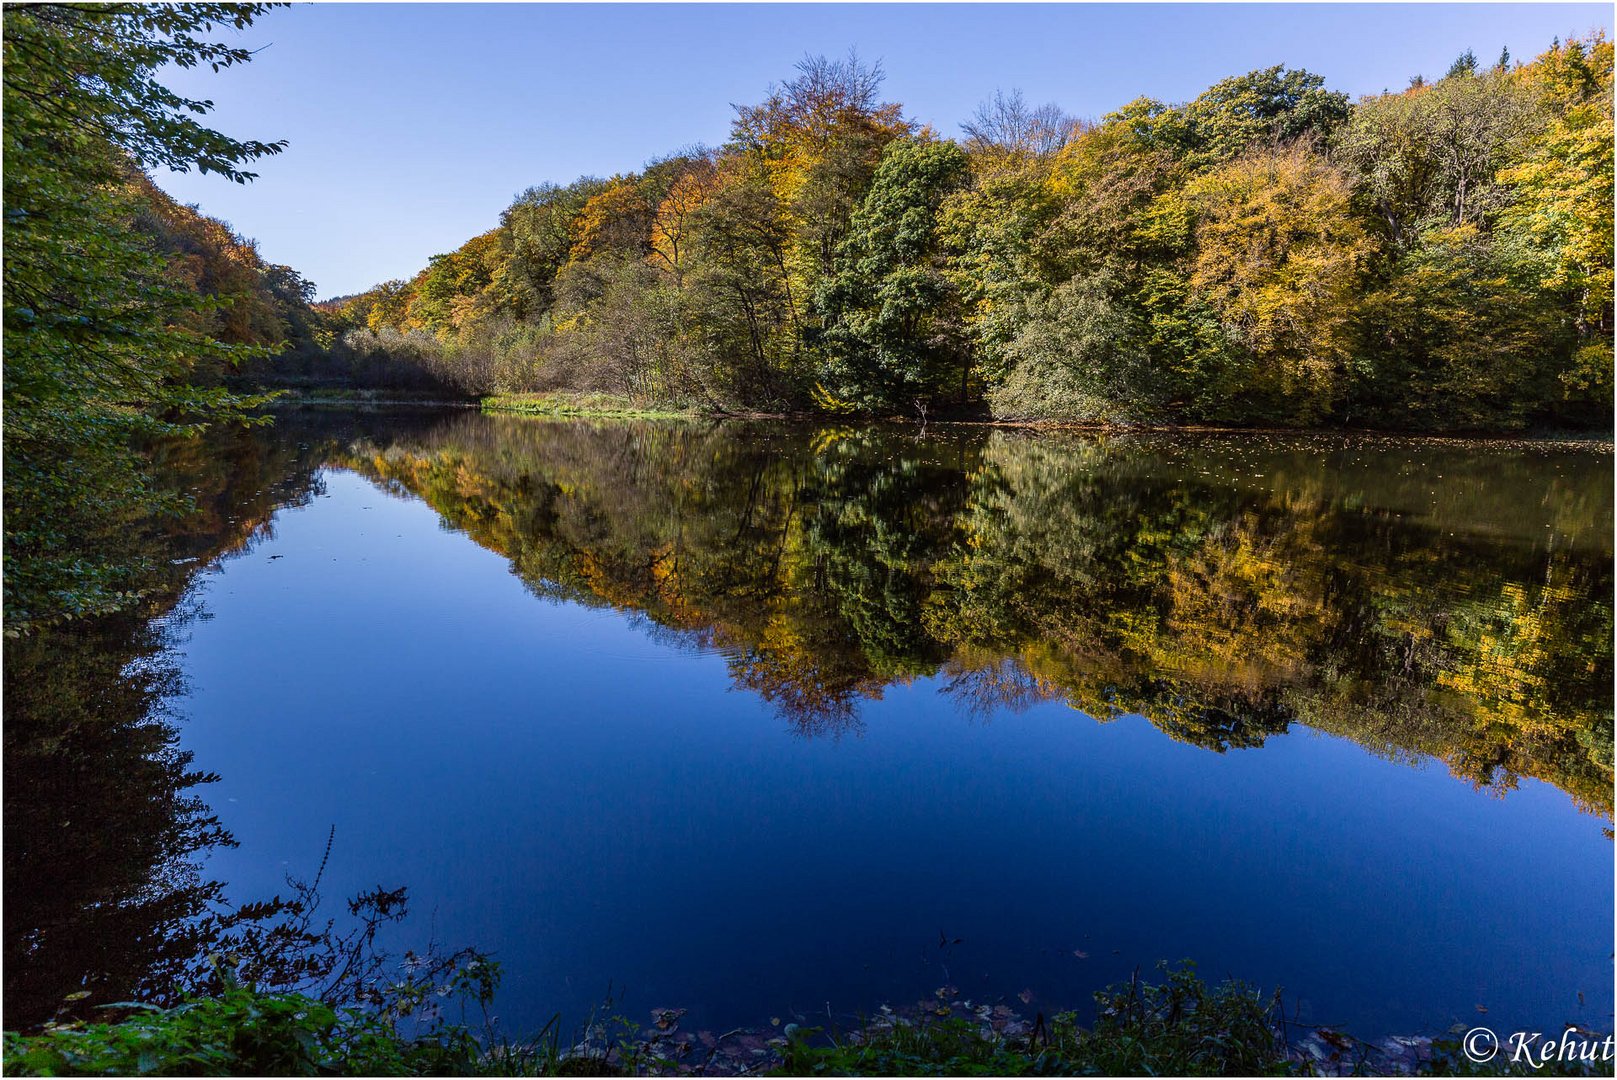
(759, 720)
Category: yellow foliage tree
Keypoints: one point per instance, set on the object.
(1277, 255)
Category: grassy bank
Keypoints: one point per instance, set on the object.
(604, 406)
(1179, 1027)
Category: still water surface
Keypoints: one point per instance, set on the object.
(759, 720)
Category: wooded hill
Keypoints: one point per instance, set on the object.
(1270, 252)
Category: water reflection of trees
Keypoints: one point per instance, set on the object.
(1161, 577)
(1224, 589)
(100, 819)
(105, 822)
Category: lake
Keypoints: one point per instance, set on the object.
(763, 720)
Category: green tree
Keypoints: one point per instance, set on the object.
(1270, 105)
(1428, 157)
(1080, 356)
(538, 229)
(892, 331)
(98, 351)
(1464, 64)
(1459, 337)
(990, 230)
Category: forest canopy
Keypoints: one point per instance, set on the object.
(1438, 257)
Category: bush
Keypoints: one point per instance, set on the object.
(1079, 357)
(241, 1033)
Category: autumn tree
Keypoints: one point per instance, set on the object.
(448, 289)
(741, 279)
(674, 223)
(1277, 255)
(816, 140)
(1560, 204)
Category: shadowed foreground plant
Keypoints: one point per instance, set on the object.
(241, 1033)
(1181, 1027)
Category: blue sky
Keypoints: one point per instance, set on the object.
(411, 126)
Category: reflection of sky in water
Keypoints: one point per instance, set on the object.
(592, 804)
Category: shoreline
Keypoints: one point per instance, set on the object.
(1182, 1026)
(610, 407)
(624, 410)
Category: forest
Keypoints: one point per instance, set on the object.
(1269, 253)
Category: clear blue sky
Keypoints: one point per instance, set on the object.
(412, 125)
